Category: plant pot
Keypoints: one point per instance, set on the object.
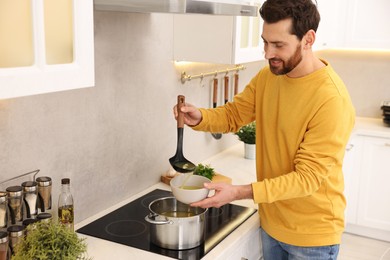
(250, 151)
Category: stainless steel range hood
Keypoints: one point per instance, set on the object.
(211, 7)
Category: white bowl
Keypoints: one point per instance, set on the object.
(193, 189)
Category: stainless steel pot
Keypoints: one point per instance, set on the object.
(175, 225)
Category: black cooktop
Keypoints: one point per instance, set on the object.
(127, 226)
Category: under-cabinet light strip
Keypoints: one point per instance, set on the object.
(186, 77)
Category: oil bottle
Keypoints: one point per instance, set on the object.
(65, 205)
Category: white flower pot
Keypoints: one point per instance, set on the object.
(250, 151)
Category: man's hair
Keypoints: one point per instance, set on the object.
(303, 13)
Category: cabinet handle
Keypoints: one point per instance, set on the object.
(349, 147)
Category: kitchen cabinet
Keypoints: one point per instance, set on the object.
(353, 24)
(374, 204)
(218, 39)
(367, 24)
(366, 185)
(330, 32)
(351, 169)
(249, 247)
(47, 46)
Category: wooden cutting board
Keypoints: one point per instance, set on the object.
(217, 178)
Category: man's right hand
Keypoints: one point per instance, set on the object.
(192, 115)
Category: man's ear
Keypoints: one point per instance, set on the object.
(309, 39)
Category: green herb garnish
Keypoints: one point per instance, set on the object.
(204, 170)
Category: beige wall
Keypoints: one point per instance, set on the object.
(115, 139)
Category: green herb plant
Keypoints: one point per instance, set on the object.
(247, 133)
(204, 170)
(51, 241)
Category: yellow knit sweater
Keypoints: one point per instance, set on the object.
(302, 128)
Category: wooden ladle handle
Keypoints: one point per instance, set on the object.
(215, 92)
(236, 77)
(226, 78)
(180, 116)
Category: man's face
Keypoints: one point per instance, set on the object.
(282, 49)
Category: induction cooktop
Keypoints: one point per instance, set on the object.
(127, 226)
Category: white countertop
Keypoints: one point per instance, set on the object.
(371, 126)
(231, 163)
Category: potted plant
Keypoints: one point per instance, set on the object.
(247, 134)
(50, 240)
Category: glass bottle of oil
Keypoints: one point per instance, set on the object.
(65, 205)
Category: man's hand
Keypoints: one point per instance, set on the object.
(224, 194)
(192, 115)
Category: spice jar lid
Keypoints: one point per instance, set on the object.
(15, 231)
(29, 186)
(3, 237)
(44, 181)
(14, 191)
(3, 196)
(44, 216)
(29, 221)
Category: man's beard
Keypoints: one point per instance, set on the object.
(289, 65)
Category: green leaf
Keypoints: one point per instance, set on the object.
(204, 170)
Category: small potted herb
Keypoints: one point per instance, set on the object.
(204, 170)
(247, 134)
(50, 240)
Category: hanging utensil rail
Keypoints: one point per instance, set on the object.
(186, 77)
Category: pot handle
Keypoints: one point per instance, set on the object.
(151, 218)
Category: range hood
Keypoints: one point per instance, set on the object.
(211, 7)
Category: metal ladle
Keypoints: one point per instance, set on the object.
(178, 161)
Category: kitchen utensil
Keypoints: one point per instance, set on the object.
(226, 92)
(236, 78)
(215, 98)
(178, 161)
(193, 189)
(175, 225)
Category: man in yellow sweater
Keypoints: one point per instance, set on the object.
(304, 117)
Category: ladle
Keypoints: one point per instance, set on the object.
(215, 99)
(178, 161)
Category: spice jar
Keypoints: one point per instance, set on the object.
(15, 234)
(15, 203)
(44, 193)
(30, 194)
(3, 209)
(3, 245)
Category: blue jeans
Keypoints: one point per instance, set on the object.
(275, 250)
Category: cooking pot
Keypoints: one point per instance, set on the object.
(175, 225)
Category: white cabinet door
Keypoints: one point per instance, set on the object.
(330, 32)
(368, 24)
(217, 39)
(374, 199)
(47, 46)
(351, 170)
